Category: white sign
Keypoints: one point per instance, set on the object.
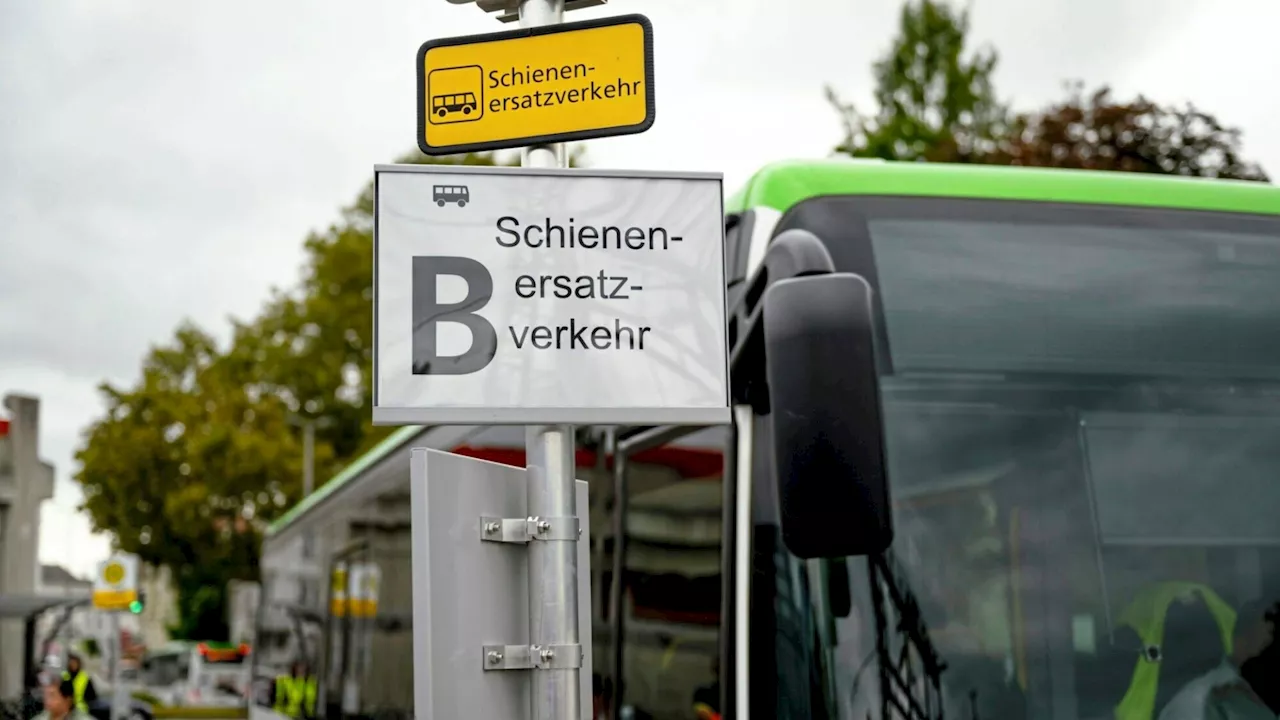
(524, 296)
(115, 585)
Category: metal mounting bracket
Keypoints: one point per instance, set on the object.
(523, 530)
(532, 657)
(507, 16)
(508, 10)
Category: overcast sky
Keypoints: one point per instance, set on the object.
(161, 159)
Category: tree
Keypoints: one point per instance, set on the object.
(936, 105)
(188, 466)
(935, 102)
(1099, 133)
(184, 467)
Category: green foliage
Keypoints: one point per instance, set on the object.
(201, 607)
(154, 469)
(1095, 132)
(186, 467)
(937, 104)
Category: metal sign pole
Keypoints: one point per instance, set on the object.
(537, 13)
(487, 93)
(549, 452)
(553, 573)
(117, 653)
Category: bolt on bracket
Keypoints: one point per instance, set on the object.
(523, 530)
(532, 657)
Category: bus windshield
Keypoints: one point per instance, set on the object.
(1083, 418)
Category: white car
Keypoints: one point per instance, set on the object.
(198, 674)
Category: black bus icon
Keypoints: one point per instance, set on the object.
(445, 105)
(455, 95)
(444, 194)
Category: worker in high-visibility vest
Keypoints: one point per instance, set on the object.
(80, 681)
(296, 693)
(1146, 616)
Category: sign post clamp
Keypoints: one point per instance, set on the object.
(524, 530)
(532, 657)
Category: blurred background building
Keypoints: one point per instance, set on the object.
(26, 482)
(161, 609)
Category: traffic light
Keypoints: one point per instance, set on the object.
(136, 606)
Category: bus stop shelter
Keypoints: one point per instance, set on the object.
(27, 608)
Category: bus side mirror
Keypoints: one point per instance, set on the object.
(825, 416)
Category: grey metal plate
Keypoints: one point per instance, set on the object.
(468, 593)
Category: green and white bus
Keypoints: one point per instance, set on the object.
(1076, 386)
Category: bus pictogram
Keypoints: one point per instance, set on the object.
(464, 103)
(442, 195)
(455, 94)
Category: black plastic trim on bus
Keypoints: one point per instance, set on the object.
(738, 230)
(840, 221)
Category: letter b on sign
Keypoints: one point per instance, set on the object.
(429, 313)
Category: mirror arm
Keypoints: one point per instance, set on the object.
(793, 253)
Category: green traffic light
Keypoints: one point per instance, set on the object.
(135, 607)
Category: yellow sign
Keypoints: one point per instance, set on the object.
(116, 585)
(558, 83)
(113, 599)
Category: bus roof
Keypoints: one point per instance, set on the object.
(782, 185)
(348, 474)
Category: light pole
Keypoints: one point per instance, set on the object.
(309, 425)
(308, 457)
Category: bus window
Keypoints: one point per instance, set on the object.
(1081, 422)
